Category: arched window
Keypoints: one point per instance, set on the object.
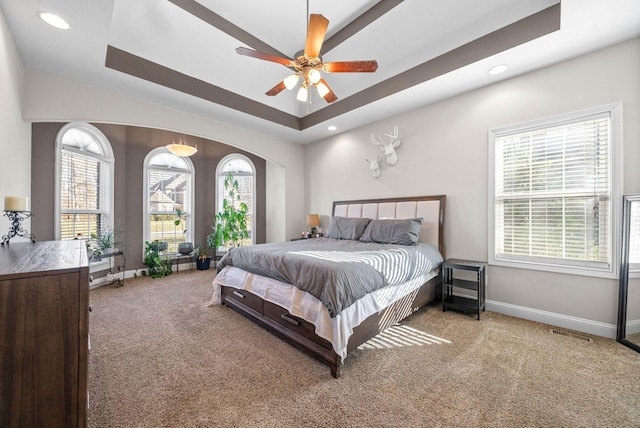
(244, 172)
(84, 182)
(168, 198)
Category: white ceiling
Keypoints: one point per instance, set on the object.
(410, 33)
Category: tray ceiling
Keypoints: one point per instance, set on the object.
(181, 53)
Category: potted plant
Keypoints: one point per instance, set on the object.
(203, 261)
(98, 244)
(230, 223)
(105, 240)
(159, 265)
(158, 246)
(185, 248)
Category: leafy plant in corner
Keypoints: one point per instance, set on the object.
(159, 265)
(230, 223)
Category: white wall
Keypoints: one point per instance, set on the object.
(444, 151)
(15, 134)
(52, 98)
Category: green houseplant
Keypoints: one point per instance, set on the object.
(180, 215)
(203, 261)
(105, 240)
(159, 265)
(230, 223)
(98, 244)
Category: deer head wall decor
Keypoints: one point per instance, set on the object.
(374, 166)
(389, 148)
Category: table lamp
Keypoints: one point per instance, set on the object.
(313, 220)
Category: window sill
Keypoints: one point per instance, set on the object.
(563, 269)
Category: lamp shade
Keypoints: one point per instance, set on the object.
(313, 220)
(291, 81)
(314, 76)
(303, 94)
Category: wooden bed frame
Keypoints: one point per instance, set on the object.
(301, 333)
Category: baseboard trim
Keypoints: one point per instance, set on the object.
(107, 279)
(633, 327)
(558, 320)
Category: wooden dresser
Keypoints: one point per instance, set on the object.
(44, 307)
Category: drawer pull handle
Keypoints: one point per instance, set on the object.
(291, 320)
(238, 294)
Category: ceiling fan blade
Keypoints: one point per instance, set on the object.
(351, 66)
(265, 56)
(329, 96)
(318, 25)
(276, 89)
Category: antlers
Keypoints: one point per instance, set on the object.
(389, 148)
(394, 141)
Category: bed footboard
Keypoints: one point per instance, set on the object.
(301, 333)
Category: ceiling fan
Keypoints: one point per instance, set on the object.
(308, 64)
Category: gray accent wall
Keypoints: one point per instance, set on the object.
(130, 145)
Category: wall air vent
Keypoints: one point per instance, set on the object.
(569, 334)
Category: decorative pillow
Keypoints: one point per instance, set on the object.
(347, 228)
(402, 232)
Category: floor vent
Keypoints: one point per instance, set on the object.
(574, 335)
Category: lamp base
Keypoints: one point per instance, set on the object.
(16, 218)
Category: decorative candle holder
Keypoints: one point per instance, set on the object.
(16, 218)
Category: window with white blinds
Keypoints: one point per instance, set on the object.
(552, 193)
(243, 171)
(169, 187)
(84, 194)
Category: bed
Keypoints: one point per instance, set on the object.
(346, 290)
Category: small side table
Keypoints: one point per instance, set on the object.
(449, 283)
(177, 257)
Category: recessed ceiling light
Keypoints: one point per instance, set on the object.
(54, 20)
(332, 128)
(498, 69)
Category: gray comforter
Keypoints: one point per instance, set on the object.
(337, 272)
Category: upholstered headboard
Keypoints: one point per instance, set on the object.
(430, 208)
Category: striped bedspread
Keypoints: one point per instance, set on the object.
(336, 272)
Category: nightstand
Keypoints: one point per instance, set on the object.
(449, 283)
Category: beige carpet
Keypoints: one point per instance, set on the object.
(161, 358)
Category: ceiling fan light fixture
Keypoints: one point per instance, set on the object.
(291, 81)
(181, 149)
(314, 76)
(308, 63)
(303, 94)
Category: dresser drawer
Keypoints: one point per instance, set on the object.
(297, 325)
(242, 297)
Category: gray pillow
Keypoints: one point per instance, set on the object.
(347, 228)
(402, 232)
